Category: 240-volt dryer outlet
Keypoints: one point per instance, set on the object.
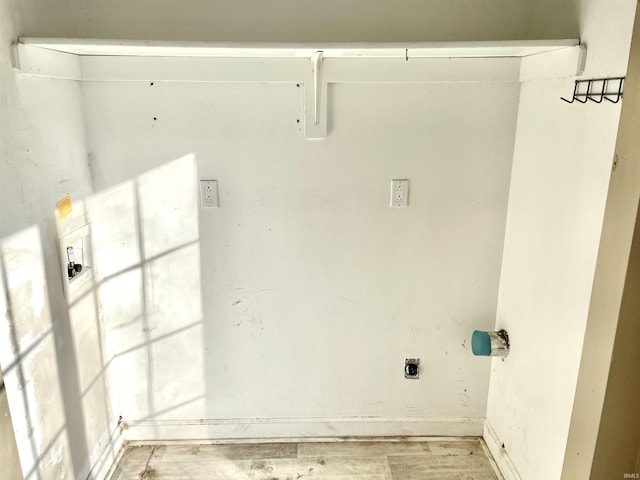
(412, 368)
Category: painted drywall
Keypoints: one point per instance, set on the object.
(9, 461)
(562, 162)
(301, 296)
(278, 20)
(604, 435)
(149, 293)
(49, 345)
(553, 19)
(618, 445)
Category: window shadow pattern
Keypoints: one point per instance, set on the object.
(117, 347)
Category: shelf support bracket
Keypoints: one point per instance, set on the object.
(563, 63)
(43, 62)
(315, 124)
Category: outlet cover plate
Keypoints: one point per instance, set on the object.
(400, 193)
(412, 368)
(209, 193)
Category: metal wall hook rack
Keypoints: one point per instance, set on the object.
(597, 90)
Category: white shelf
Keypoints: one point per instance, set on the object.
(95, 47)
(310, 66)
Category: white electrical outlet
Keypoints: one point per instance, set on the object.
(209, 193)
(400, 193)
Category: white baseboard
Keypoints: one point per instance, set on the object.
(104, 456)
(500, 455)
(274, 428)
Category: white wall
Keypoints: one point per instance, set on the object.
(562, 162)
(553, 19)
(604, 435)
(304, 269)
(49, 350)
(314, 290)
(9, 460)
(277, 20)
(145, 236)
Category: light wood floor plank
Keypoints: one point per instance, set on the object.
(360, 449)
(132, 463)
(432, 460)
(406, 467)
(460, 447)
(198, 469)
(318, 467)
(238, 451)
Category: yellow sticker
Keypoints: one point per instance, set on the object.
(64, 207)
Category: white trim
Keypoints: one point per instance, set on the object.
(112, 47)
(492, 461)
(37, 61)
(227, 441)
(255, 428)
(568, 62)
(297, 70)
(238, 64)
(110, 469)
(131, 61)
(41, 62)
(499, 454)
(104, 456)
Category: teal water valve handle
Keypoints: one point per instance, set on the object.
(490, 344)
